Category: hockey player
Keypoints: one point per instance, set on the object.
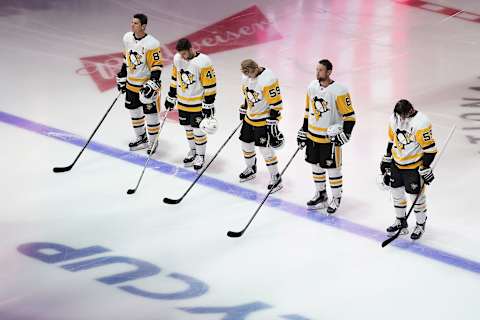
(327, 125)
(139, 77)
(192, 90)
(260, 114)
(412, 147)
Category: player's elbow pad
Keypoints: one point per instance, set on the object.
(155, 75)
(123, 71)
(348, 127)
(389, 149)
(209, 99)
(428, 159)
(274, 114)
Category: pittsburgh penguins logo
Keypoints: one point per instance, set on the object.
(135, 59)
(404, 138)
(186, 79)
(252, 96)
(320, 106)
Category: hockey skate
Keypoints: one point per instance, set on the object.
(248, 173)
(198, 162)
(400, 224)
(275, 183)
(152, 148)
(139, 144)
(319, 201)
(418, 231)
(188, 161)
(334, 205)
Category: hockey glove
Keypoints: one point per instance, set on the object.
(170, 103)
(301, 138)
(208, 110)
(427, 174)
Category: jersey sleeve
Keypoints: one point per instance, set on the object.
(273, 97)
(154, 59)
(208, 79)
(306, 112)
(345, 108)
(391, 134)
(425, 139)
(307, 106)
(245, 104)
(173, 82)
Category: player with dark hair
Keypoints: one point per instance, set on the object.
(327, 125)
(139, 77)
(406, 164)
(193, 90)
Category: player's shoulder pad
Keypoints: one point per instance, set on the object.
(204, 60)
(244, 79)
(313, 84)
(392, 120)
(421, 120)
(151, 42)
(267, 78)
(127, 36)
(338, 89)
(176, 58)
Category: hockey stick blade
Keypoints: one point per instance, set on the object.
(234, 234)
(62, 169)
(434, 164)
(131, 191)
(171, 201)
(387, 242)
(200, 173)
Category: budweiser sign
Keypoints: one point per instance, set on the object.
(245, 28)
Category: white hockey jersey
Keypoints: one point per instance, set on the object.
(141, 57)
(411, 138)
(261, 95)
(193, 80)
(326, 106)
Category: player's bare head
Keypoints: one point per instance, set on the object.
(249, 68)
(139, 23)
(184, 48)
(403, 109)
(324, 69)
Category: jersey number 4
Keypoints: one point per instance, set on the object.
(210, 74)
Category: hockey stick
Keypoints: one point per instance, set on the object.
(175, 201)
(236, 234)
(67, 168)
(155, 143)
(437, 158)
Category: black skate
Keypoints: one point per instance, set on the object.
(400, 224)
(198, 162)
(334, 205)
(418, 231)
(248, 173)
(188, 161)
(152, 148)
(275, 183)
(139, 144)
(319, 201)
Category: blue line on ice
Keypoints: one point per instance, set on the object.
(232, 189)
